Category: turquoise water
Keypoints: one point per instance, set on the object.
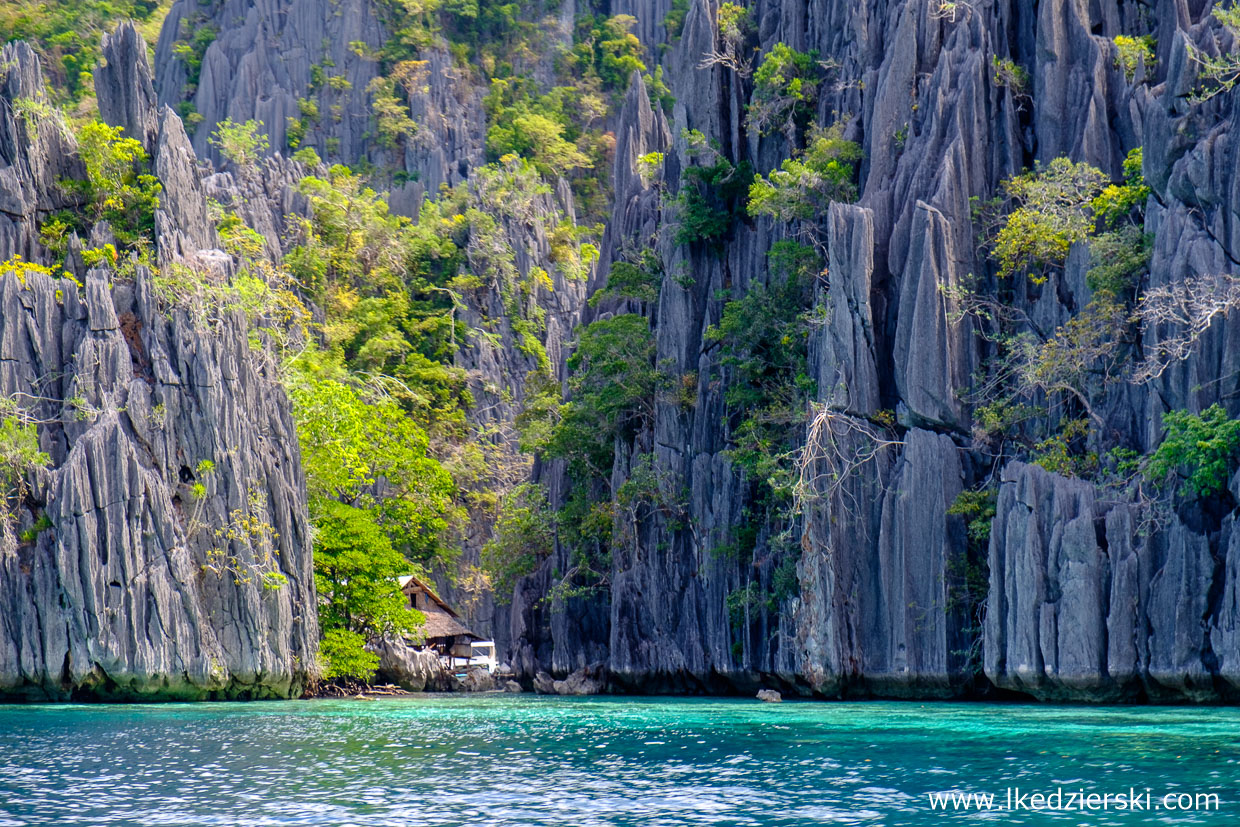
(525, 760)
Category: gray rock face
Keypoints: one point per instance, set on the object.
(259, 66)
(588, 680)
(163, 435)
(1084, 605)
(1085, 601)
(478, 679)
(415, 670)
(123, 85)
(35, 153)
(125, 596)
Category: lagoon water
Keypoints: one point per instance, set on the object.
(578, 762)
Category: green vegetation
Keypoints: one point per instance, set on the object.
(241, 143)
(67, 35)
(524, 534)
(343, 655)
(613, 385)
(379, 404)
(712, 193)
(1041, 392)
(1218, 72)
(366, 452)
(763, 340)
(19, 453)
(1010, 75)
(1051, 213)
(118, 182)
(1132, 52)
(674, 20)
(355, 571)
(734, 28)
(613, 380)
(196, 35)
(634, 281)
(805, 186)
(381, 281)
(977, 508)
(1202, 450)
(785, 88)
(534, 126)
(391, 110)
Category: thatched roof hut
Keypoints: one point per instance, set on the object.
(444, 628)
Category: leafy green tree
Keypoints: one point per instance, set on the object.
(1133, 51)
(19, 453)
(382, 281)
(118, 181)
(355, 573)
(712, 193)
(1051, 213)
(540, 138)
(616, 51)
(612, 381)
(369, 454)
(241, 143)
(785, 87)
(763, 340)
(804, 186)
(1203, 450)
(523, 535)
(344, 655)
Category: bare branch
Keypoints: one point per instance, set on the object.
(837, 446)
(1190, 306)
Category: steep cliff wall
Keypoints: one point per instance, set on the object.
(1088, 598)
(121, 578)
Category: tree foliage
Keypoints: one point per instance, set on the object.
(523, 535)
(118, 181)
(67, 35)
(1202, 449)
(763, 339)
(355, 571)
(369, 454)
(785, 89)
(19, 453)
(712, 192)
(241, 143)
(803, 187)
(1050, 214)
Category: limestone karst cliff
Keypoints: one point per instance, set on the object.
(875, 582)
(110, 589)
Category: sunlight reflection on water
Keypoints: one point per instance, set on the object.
(524, 760)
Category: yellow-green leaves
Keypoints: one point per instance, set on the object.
(785, 86)
(1058, 205)
(241, 143)
(804, 186)
(1052, 213)
(117, 181)
(1132, 52)
(1220, 72)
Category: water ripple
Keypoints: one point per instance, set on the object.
(531, 761)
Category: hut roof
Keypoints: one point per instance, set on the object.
(440, 624)
(441, 620)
